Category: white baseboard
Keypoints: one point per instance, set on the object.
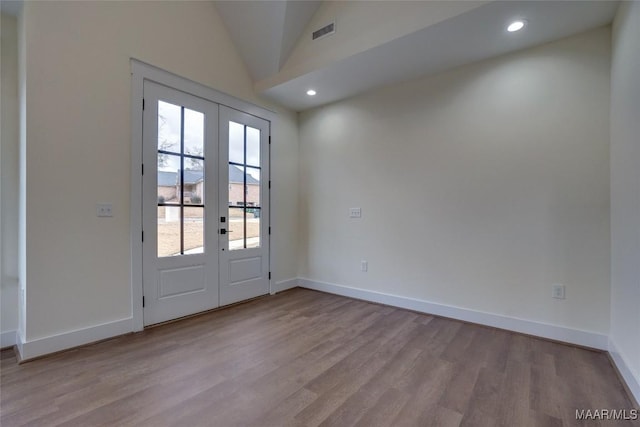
(544, 330)
(283, 285)
(632, 381)
(8, 339)
(40, 347)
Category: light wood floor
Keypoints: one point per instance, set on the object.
(307, 358)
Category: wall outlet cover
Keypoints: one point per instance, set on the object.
(104, 210)
(558, 291)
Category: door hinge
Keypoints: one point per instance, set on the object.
(143, 104)
(143, 302)
(143, 236)
(143, 169)
(269, 139)
(269, 184)
(269, 230)
(269, 275)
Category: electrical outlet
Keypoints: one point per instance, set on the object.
(557, 291)
(355, 213)
(104, 210)
(364, 265)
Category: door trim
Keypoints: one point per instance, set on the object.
(141, 71)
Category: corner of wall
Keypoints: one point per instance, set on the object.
(624, 334)
(9, 179)
(19, 346)
(625, 371)
(22, 200)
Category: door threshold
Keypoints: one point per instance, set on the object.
(202, 313)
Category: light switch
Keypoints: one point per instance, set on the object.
(104, 210)
(355, 213)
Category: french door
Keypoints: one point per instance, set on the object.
(244, 203)
(204, 210)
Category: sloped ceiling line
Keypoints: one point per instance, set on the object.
(265, 32)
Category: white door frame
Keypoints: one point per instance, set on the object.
(140, 72)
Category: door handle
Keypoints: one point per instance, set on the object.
(225, 231)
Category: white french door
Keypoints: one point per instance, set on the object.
(205, 205)
(244, 205)
(180, 204)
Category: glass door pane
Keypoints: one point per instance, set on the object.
(244, 186)
(181, 180)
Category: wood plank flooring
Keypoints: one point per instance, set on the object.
(305, 358)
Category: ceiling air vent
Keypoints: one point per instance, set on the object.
(324, 31)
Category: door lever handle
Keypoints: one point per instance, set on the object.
(225, 231)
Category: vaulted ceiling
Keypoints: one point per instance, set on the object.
(381, 42)
(265, 32)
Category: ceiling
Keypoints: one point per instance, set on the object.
(265, 32)
(468, 37)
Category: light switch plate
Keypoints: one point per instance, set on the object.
(557, 291)
(355, 213)
(104, 210)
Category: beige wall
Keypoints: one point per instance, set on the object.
(479, 188)
(77, 125)
(625, 189)
(9, 175)
(284, 199)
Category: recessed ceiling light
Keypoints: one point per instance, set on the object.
(516, 26)
(311, 92)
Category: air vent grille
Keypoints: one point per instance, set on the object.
(324, 31)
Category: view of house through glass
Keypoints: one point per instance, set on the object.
(244, 187)
(181, 181)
